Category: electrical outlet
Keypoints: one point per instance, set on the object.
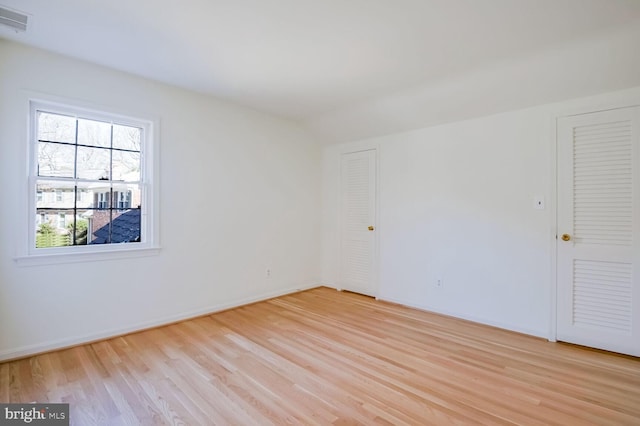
(439, 282)
(267, 273)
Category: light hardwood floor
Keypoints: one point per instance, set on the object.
(325, 357)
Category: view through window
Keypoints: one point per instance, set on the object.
(88, 187)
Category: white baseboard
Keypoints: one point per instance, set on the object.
(426, 308)
(30, 350)
(472, 318)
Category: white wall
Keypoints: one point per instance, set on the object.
(456, 204)
(239, 192)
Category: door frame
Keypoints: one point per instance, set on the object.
(611, 101)
(375, 270)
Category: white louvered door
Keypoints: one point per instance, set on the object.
(599, 210)
(358, 187)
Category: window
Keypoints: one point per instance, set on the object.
(124, 199)
(93, 171)
(103, 202)
(62, 223)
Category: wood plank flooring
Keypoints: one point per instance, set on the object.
(325, 357)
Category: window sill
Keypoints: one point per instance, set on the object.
(93, 256)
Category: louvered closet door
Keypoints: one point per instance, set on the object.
(358, 187)
(598, 211)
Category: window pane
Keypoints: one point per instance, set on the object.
(49, 234)
(93, 196)
(55, 195)
(55, 160)
(126, 166)
(114, 227)
(125, 137)
(126, 196)
(95, 133)
(56, 128)
(54, 206)
(93, 163)
(78, 231)
(94, 201)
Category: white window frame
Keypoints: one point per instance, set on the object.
(28, 254)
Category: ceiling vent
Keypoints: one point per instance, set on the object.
(15, 20)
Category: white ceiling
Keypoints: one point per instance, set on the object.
(324, 62)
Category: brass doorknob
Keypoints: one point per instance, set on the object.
(566, 237)
(370, 228)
